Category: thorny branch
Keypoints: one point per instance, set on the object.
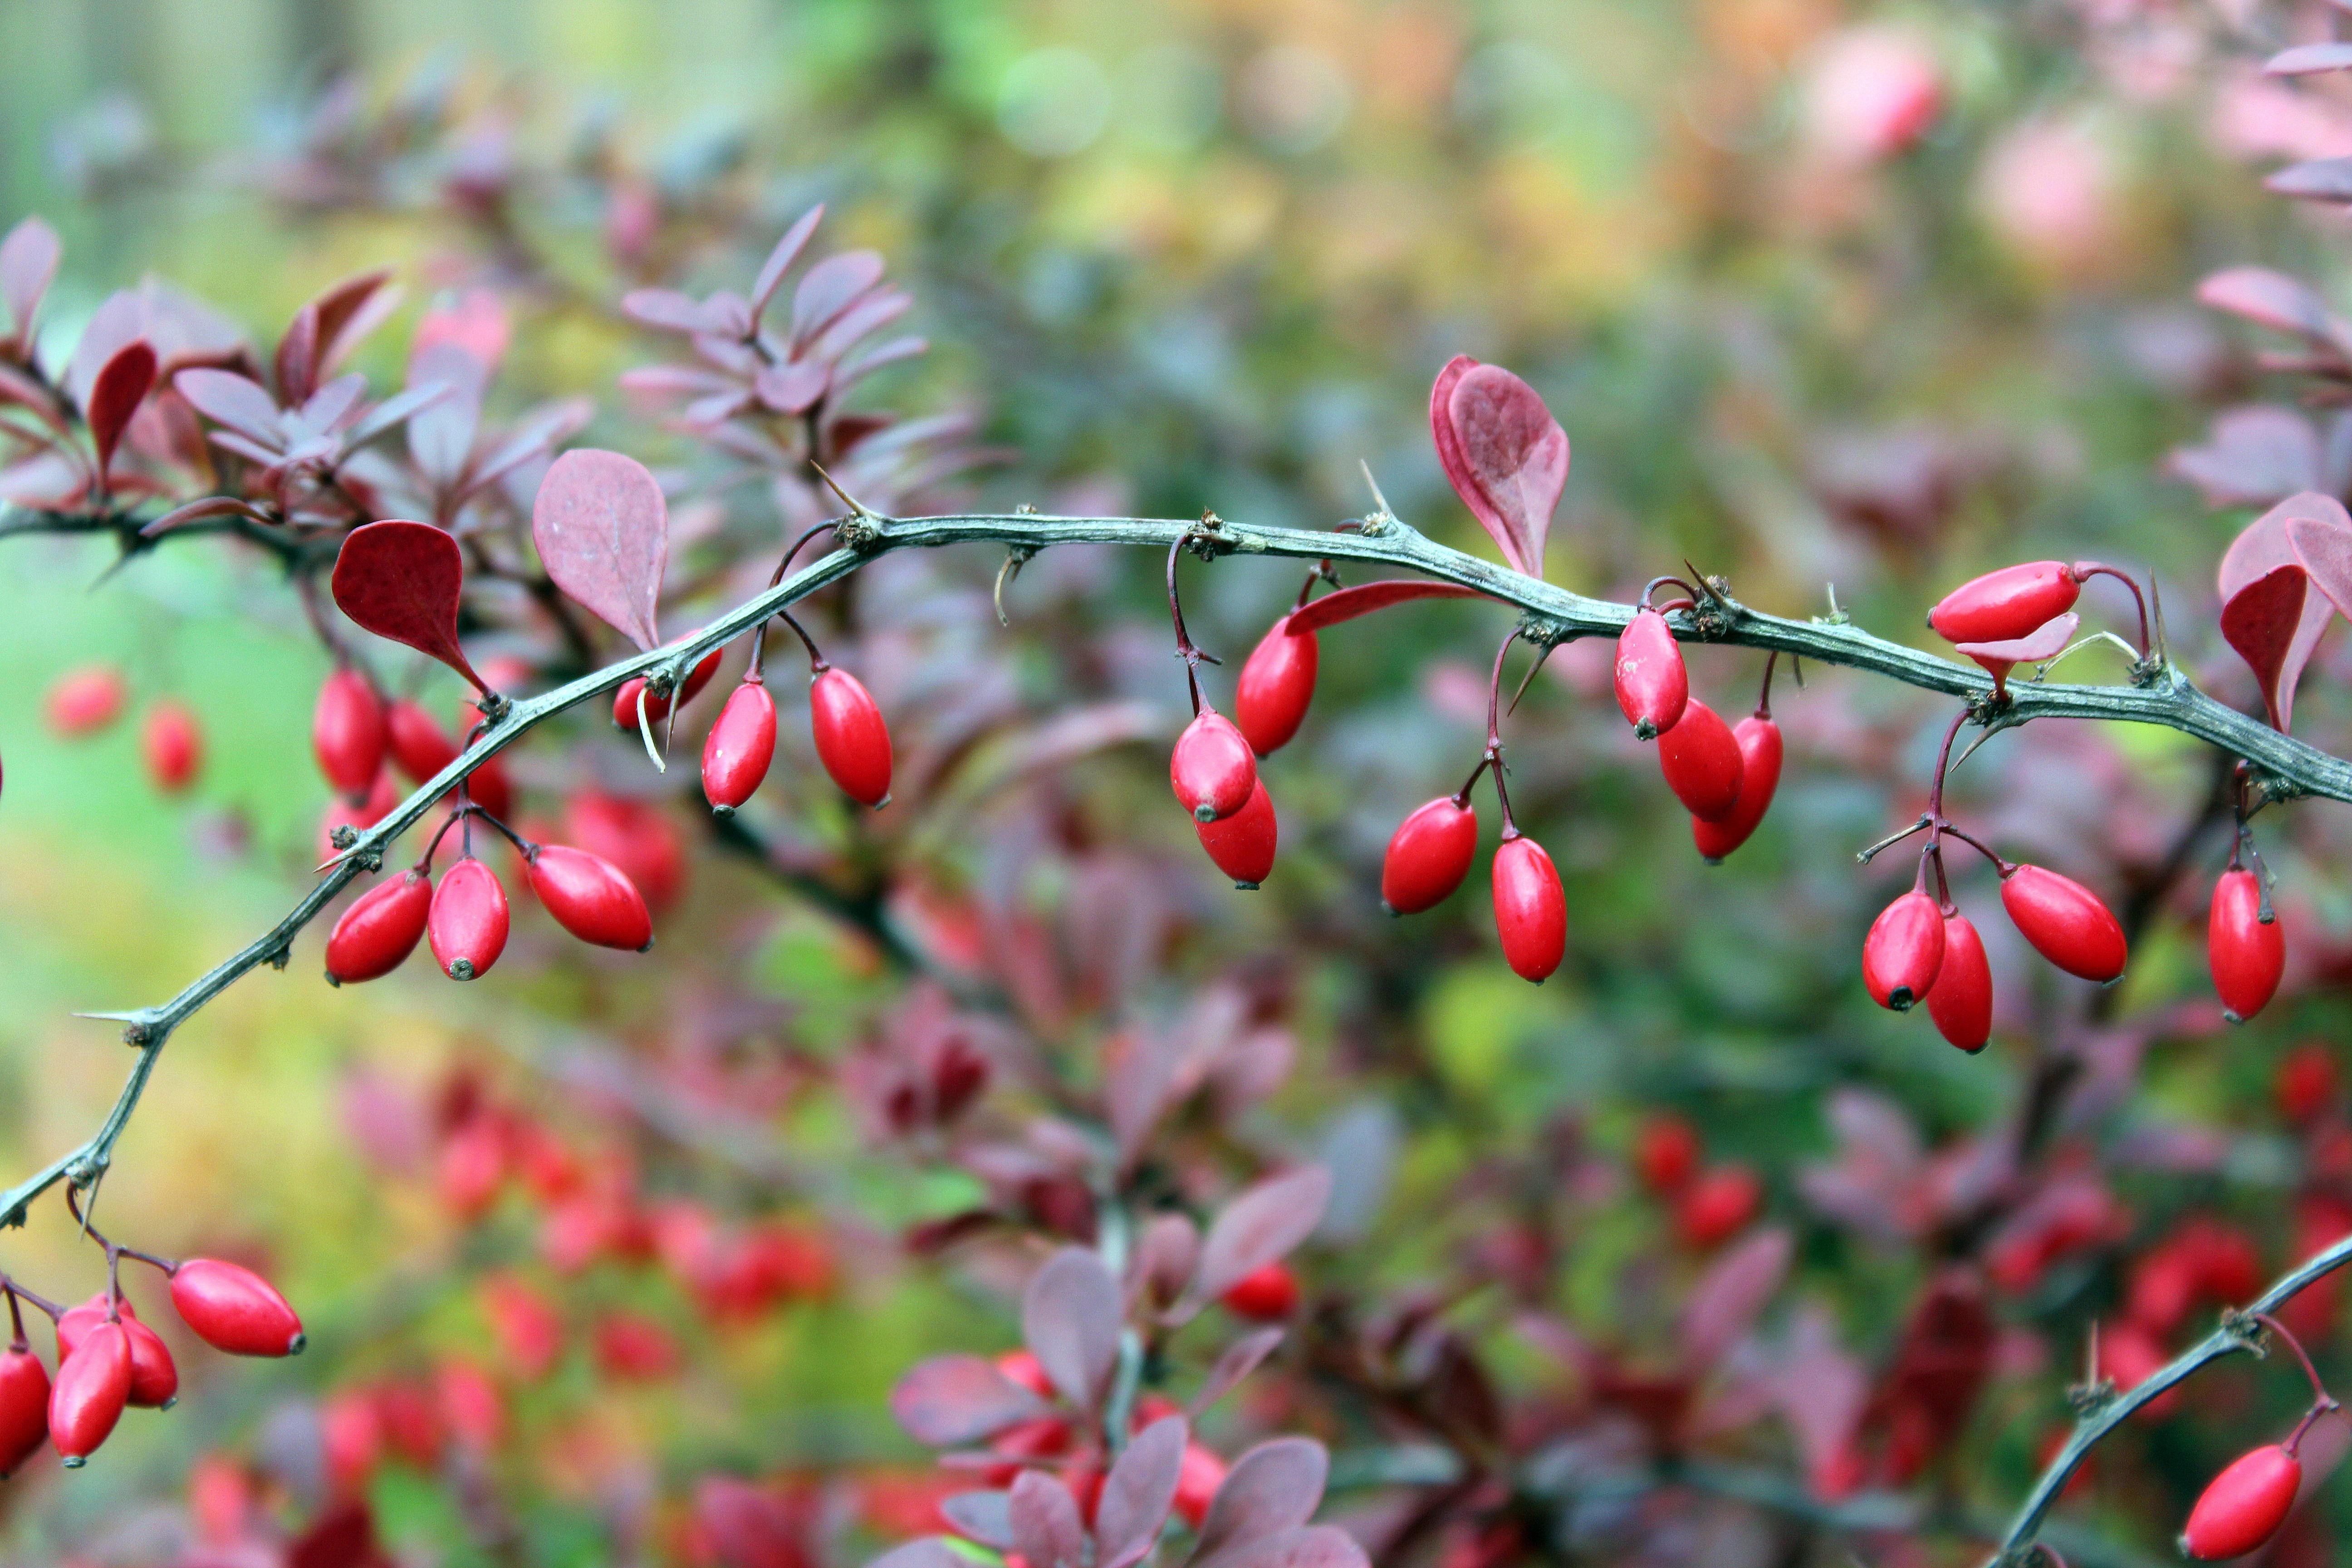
(2285, 768)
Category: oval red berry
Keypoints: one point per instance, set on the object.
(741, 745)
(1277, 684)
(1212, 769)
(1902, 952)
(2247, 952)
(2065, 922)
(468, 923)
(1702, 763)
(231, 1309)
(852, 742)
(1243, 845)
(1531, 908)
(590, 898)
(1428, 856)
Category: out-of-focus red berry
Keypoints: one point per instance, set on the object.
(1269, 1295)
(1665, 1153)
(1717, 1204)
(2308, 1082)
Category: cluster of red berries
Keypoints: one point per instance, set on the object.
(1712, 1204)
(171, 743)
(108, 1360)
(1057, 1439)
(1724, 777)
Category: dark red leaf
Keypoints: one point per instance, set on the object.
(28, 261)
(1070, 1320)
(1365, 597)
(1505, 454)
(1272, 1487)
(2308, 59)
(2276, 628)
(953, 1399)
(196, 511)
(401, 580)
(1137, 1494)
(236, 401)
(602, 532)
(298, 357)
(780, 261)
(1722, 1307)
(122, 385)
(2260, 621)
(348, 312)
(1045, 1522)
(1262, 1225)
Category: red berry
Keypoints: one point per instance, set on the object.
(852, 742)
(2306, 1083)
(1961, 1001)
(2065, 922)
(379, 930)
(2245, 1505)
(637, 835)
(1266, 1295)
(172, 745)
(2129, 1354)
(234, 1309)
(624, 701)
(1702, 762)
(1718, 1205)
(468, 925)
(92, 1387)
(421, 749)
(1243, 844)
(1530, 910)
(741, 745)
(590, 898)
(1759, 777)
(1652, 687)
(1428, 856)
(1211, 768)
(1276, 683)
(2248, 952)
(2003, 605)
(1197, 1480)
(24, 1407)
(347, 732)
(1902, 952)
(85, 701)
(1666, 1153)
(154, 1380)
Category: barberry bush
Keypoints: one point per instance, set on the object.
(1745, 960)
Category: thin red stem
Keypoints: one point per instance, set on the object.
(2086, 569)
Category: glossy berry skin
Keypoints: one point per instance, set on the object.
(85, 701)
(852, 742)
(1243, 844)
(2065, 922)
(93, 1385)
(154, 1380)
(1428, 856)
(1759, 775)
(1276, 683)
(467, 924)
(1902, 952)
(624, 701)
(421, 749)
(1717, 1205)
(1211, 768)
(379, 930)
(590, 898)
(741, 745)
(347, 733)
(1961, 1002)
(1651, 684)
(2003, 605)
(234, 1310)
(2248, 954)
(1702, 762)
(1531, 908)
(2243, 1506)
(173, 747)
(1267, 1295)
(24, 1407)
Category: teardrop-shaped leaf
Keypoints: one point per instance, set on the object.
(297, 364)
(1261, 1227)
(2279, 627)
(830, 288)
(401, 580)
(1722, 1307)
(986, 1517)
(1365, 597)
(953, 1399)
(348, 312)
(2320, 534)
(1070, 1320)
(780, 261)
(122, 384)
(2272, 300)
(198, 511)
(1505, 454)
(236, 401)
(603, 532)
(2260, 622)
(28, 261)
(1044, 1520)
(2314, 180)
(669, 311)
(1137, 1494)
(2309, 60)
(1236, 1362)
(1275, 1486)
(2047, 640)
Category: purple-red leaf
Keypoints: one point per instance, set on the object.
(2314, 180)
(1274, 1487)
(929, 1552)
(1137, 1494)
(401, 580)
(1043, 1517)
(122, 385)
(602, 532)
(1262, 1225)
(1070, 1320)
(2270, 612)
(236, 401)
(197, 511)
(2252, 457)
(1505, 454)
(1314, 1546)
(1365, 597)
(2047, 640)
(830, 288)
(2308, 59)
(780, 261)
(1236, 1362)
(2261, 621)
(986, 1517)
(28, 261)
(953, 1399)
(669, 311)
(1723, 1305)
(2275, 300)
